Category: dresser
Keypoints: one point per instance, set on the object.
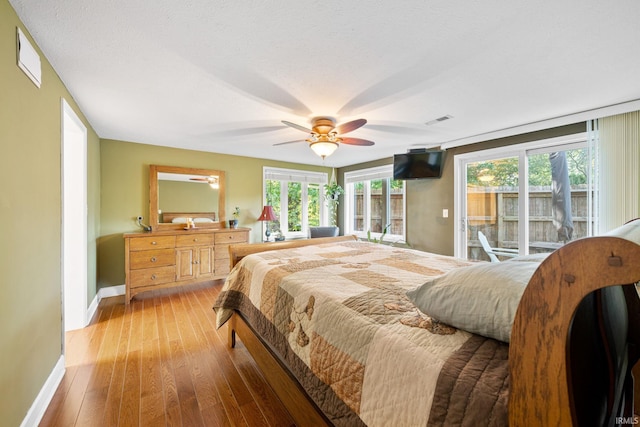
(177, 257)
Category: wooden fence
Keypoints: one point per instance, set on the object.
(494, 211)
(378, 213)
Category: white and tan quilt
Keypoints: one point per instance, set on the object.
(338, 315)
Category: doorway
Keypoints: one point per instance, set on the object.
(74, 220)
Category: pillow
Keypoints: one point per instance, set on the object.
(202, 220)
(480, 298)
(179, 220)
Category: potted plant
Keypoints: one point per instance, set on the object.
(233, 223)
(381, 239)
(332, 191)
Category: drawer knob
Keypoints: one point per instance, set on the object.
(153, 243)
(153, 259)
(195, 240)
(153, 277)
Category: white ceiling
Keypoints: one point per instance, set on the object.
(220, 76)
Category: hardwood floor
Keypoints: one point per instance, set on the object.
(160, 361)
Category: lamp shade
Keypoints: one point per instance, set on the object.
(267, 214)
(323, 148)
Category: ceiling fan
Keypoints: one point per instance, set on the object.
(325, 136)
(213, 181)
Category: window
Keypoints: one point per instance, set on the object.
(374, 201)
(532, 198)
(296, 197)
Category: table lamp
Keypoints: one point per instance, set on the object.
(267, 215)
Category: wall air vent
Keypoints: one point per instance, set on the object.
(28, 59)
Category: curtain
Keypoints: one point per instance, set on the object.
(618, 159)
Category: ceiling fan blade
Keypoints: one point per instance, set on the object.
(357, 141)
(289, 142)
(296, 126)
(405, 130)
(350, 126)
(199, 179)
(245, 131)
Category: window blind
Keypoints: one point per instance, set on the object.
(380, 172)
(278, 174)
(619, 170)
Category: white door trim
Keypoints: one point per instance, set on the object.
(74, 219)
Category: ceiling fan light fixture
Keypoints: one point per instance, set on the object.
(324, 137)
(323, 148)
(485, 175)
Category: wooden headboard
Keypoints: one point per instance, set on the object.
(241, 250)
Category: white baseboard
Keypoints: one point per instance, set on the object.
(109, 291)
(40, 405)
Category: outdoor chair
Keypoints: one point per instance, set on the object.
(494, 253)
(327, 231)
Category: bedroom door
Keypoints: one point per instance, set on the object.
(74, 220)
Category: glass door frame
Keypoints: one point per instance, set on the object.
(520, 151)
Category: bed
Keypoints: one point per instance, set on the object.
(356, 333)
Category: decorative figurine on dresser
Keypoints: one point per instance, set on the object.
(189, 242)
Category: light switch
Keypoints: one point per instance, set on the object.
(445, 213)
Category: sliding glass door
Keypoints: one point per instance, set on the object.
(492, 205)
(530, 199)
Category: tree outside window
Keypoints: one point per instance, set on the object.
(296, 198)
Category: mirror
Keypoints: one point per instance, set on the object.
(177, 193)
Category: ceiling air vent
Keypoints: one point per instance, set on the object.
(439, 119)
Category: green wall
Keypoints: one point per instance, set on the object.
(125, 192)
(30, 217)
(426, 229)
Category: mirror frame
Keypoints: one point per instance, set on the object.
(153, 196)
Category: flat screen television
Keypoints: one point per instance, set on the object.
(418, 164)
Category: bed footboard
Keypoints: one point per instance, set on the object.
(540, 387)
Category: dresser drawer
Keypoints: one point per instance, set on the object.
(151, 242)
(231, 237)
(222, 252)
(153, 276)
(151, 259)
(222, 266)
(194, 240)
